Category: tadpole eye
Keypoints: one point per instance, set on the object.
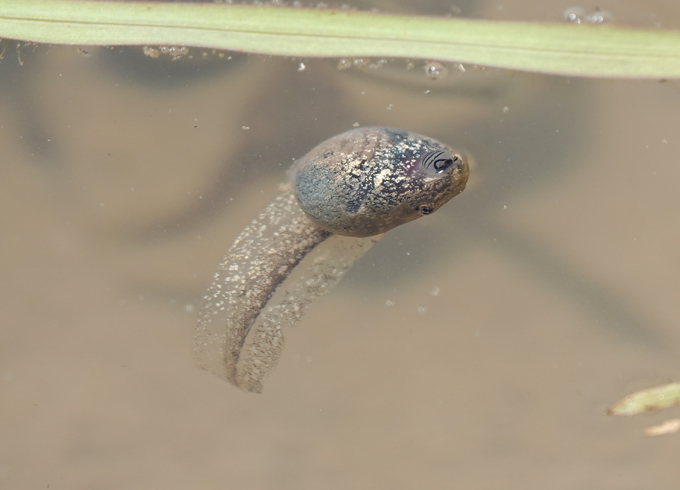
(438, 161)
(440, 166)
(425, 209)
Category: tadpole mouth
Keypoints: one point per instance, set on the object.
(460, 172)
(457, 163)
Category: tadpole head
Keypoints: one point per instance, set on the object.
(368, 180)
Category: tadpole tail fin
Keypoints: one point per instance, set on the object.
(252, 298)
(316, 275)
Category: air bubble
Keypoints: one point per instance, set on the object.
(574, 14)
(435, 70)
(302, 67)
(344, 64)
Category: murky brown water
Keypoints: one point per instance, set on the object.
(475, 348)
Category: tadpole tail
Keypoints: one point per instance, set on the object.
(262, 256)
(316, 275)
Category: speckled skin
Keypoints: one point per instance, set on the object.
(368, 180)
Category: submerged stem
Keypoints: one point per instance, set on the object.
(582, 50)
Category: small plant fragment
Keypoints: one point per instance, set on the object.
(668, 427)
(648, 400)
(651, 400)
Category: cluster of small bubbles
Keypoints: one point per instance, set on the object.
(344, 64)
(599, 16)
(579, 15)
(506, 109)
(356, 124)
(389, 302)
(422, 309)
(206, 54)
(175, 51)
(360, 63)
(245, 128)
(435, 70)
(377, 64)
(301, 67)
(435, 292)
(389, 107)
(151, 52)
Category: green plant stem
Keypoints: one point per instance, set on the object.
(568, 49)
